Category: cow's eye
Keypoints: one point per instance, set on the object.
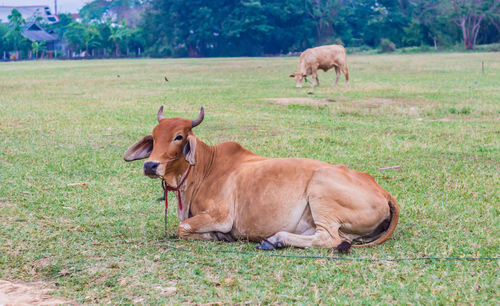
(178, 137)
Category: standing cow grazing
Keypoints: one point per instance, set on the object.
(324, 58)
(226, 192)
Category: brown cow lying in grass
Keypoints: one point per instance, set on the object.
(231, 193)
(324, 58)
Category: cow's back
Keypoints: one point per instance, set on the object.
(323, 57)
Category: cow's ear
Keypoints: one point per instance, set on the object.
(190, 149)
(304, 75)
(292, 75)
(140, 150)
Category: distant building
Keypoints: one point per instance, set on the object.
(34, 32)
(30, 13)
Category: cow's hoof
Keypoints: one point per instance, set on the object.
(279, 245)
(266, 245)
(344, 247)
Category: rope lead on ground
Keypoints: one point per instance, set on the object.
(339, 258)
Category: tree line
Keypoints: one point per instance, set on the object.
(162, 28)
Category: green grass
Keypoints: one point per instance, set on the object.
(65, 122)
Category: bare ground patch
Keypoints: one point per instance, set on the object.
(394, 105)
(366, 103)
(402, 106)
(369, 105)
(6, 204)
(301, 101)
(17, 293)
(381, 102)
(459, 119)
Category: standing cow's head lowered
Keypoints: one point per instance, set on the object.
(170, 149)
(299, 79)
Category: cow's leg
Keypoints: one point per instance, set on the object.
(320, 239)
(337, 72)
(345, 70)
(315, 80)
(202, 227)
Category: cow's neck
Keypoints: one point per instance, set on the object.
(181, 189)
(205, 157)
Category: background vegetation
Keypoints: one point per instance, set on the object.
(75, 215)
(180, 28)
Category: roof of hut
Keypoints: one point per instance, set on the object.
(34, 32)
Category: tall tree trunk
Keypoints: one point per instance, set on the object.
(475, 28)
(464, 33)
(117, 48)
(318, 30)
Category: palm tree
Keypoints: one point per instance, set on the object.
(37, 47)
(118, 32)
(90, 38)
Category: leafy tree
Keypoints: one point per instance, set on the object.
(257, 27)
(469, 14)
(3, 43)
(246, 29)
(13, 39)
(490, 30)
(291, 27)
(75, 36)
(323, 13)
(16, 19)
(94, 10)
(61, 26)
(100, 10)
(428, 25)
(226, 27)
(136, 40)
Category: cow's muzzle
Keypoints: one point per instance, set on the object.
(150, 168)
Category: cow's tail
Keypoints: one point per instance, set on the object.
(345, 69)
(384, 230)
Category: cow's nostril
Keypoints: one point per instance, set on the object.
(150, 168)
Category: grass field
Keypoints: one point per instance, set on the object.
(69, 122)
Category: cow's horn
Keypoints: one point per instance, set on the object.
(160, 113)
(198, 120)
